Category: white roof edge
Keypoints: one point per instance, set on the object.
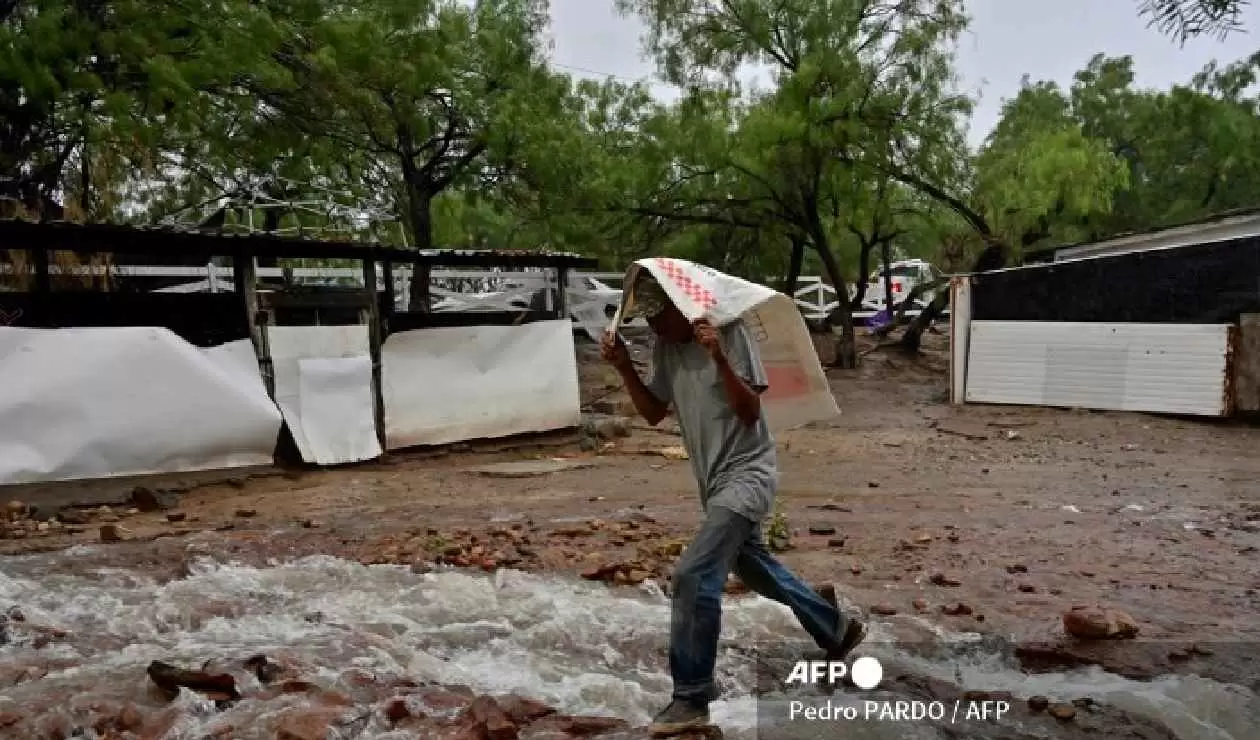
(1234, 227)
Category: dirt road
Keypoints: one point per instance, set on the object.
(989, 519)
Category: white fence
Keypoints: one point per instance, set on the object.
(815, 297)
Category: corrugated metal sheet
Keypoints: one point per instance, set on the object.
(1161, 368)
(1220, 228)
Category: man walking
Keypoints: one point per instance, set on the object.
(713, 378)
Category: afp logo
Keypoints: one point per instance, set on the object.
(866, 672)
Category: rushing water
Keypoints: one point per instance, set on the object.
(581, 647)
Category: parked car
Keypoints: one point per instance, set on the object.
(905, 274)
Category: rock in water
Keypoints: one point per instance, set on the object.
(219, 687)
(1099, 623)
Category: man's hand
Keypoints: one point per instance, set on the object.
(614, 351)
(707, 337)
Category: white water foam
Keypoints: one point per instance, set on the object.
(581, 647)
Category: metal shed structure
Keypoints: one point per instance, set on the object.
(341, 363)
(1157, 322)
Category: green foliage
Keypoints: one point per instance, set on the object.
(443, 115)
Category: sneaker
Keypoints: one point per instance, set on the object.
(679, 717)
(853, 635)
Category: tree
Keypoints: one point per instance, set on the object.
(1187, 19)
(430, 94)
(1039, 176)
(859, 84)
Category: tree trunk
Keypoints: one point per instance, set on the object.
(885, 249)
(992, 258)
(420, 216)
(846, 349)
(864, 267)
(794, 267)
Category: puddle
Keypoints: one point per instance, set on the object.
(580, 647)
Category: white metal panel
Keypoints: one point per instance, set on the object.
(102, 402)
(1161, 368)
(452, 384)
(320, 437)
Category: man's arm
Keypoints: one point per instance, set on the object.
(651, 408)
(739, 367)
(744, 400)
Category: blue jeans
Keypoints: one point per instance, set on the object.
(728, 541)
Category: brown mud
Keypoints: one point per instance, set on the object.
(982, 519)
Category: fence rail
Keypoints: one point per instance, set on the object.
(816, 298)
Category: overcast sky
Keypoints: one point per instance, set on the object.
(1046, 39)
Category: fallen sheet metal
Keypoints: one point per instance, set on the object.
(325, 403)
(104, 402)
(479, 382)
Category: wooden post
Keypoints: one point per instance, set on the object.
(374, 347)
(1247, 364)
(387, 270)
(245, 281)
(562, 293)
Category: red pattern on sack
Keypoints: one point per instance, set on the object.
(693, 290)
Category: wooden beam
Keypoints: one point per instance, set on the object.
(245, 280)
(374, 348)
(390, 303)
(562, 293)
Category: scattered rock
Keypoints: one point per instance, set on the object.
(1016, 568)
(883, 610)
(1027, 588)
(169, 678)
(920, 605)
(1038, 703)
(246, 513)
(940, 579)
(1063, 712)
(524, 710)
(606, 427)
(176, 517)
(836, 542)
(1099, 623)
(148, 500)
(73, 516)
(266, 671)
(822, 529)
(956, 609)
(113, 533)
(308, 724)
(396, 710)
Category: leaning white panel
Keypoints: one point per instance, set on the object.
(104, 402)
(1158, 368)
(452, 384)
(312, 395)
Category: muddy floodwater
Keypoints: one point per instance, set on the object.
(89, 632)
(434, 595)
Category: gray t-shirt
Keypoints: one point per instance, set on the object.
(735, 464)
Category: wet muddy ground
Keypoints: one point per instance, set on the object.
(974, 519)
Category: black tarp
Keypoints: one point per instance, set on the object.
(1200, 284)
(203, 319)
